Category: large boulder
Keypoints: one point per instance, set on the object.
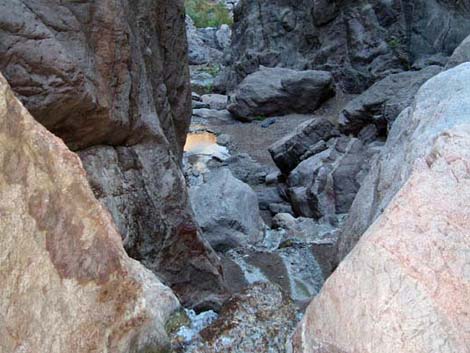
(359, 41)
(307, 139)
(461, 54)
(276, 91)
(325, 184)
(67, 283)
(381, 104)
(227, 210)
(440, 105)
(112, 80)
(405, 286)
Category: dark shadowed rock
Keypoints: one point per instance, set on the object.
(308, 139)
(384, 101)
(276, 91)
(326, 183)
(359, 41)
(67, 284)
(111, 79)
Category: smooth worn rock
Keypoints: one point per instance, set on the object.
(359, 41)
(276, 91)
(111, 79)
(227, 210)
(381, 104)
(213, 114)
(67, 283)
(325, 184)
(404, 287)
(309, 138)
(215, 101)
(441, 104)
(461, 54)
(256, 321)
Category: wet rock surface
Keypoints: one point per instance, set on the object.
(257, 320)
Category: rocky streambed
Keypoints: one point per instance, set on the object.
(294, 180)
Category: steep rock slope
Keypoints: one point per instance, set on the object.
(67, 283)
(405, 286)
(359, 41)
(111, 79)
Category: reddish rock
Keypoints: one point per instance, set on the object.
(111, 79)
(67, 283)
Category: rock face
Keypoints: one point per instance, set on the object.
(227, 210)
(440, 105)
(381, 104)
(360, 41)
(460, 55)
(206, 45)
(308, 139)
(67, 283)
(326, 183)
(408, 275)
(258, 320)
(276, 91)
(111, 79)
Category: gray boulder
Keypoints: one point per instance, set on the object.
(215, 101)
(212, 114)
(277, 91)
(325, 184)
(381, 104)
(227, 210)
(308, 139)
(460, 55)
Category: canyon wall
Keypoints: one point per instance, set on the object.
(111, 79)
(359, 41)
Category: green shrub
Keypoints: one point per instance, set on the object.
(207, 13)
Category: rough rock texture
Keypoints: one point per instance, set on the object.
(256, 321)
(326, 183)
(460, 55)
(381, 104)
(360, 41)
(309, 138)
(67, 283)
(277, 91)
(206, 47)
(405, 286)
(227, 210)
(111, 79)
(441, 104)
